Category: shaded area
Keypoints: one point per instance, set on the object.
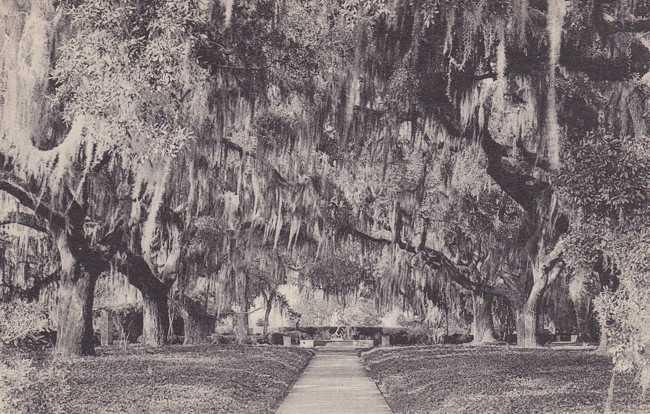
(444, 379)
(188, 379)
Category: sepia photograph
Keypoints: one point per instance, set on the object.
(324, 206)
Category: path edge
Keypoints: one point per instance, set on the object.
(361, 355)
(274, 408)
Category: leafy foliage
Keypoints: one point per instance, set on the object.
(606, 177)
(32, 386)
(147, 52)
(22, 323)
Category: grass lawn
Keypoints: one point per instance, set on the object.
(452, 379)
(182, 379)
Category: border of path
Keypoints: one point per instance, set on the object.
(273, 408)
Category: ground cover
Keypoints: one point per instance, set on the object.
(173, 379)
(453, 379)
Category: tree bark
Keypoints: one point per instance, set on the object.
(76, 294)
(75, 334)
(155, 317)
(267, 314)
(583, 319)
(197, 328)
(155, 305)
(602, 345)
(526, 328)
(483, 324)
(197, 323)
(241, 310)
(527, 315)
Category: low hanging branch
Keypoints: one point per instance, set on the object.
(435, 260)
(23, 219)
(12, 186)
(33, 292)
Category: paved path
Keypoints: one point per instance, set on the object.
(336, 383)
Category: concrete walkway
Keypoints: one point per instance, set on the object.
(336, 383)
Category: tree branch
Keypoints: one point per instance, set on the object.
(522, 187)
(170, 267)
(24, 219)
(433, 259)
(32, 293)
(13, 187)
(138, 272)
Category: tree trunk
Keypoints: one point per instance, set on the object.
(583, 319)
(197, 323)
(155, 317)
(75, 334)
(241, 308)
(527, 315)
(602, 345)
(267, 314)
(197, 328)
(155, 306)
(483, 324)
(526, 328)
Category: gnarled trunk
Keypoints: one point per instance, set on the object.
(482, 324)
(155, 306)
(76, 294)
(75, 334)
(155, 316)
(527, 314)
(241, 310)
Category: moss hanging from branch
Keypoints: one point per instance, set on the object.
(555, 20)
(521, 20)
(150, 224)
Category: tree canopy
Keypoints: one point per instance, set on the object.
(413, 152)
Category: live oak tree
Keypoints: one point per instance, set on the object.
(57, 153)
(307, 125)
(35, 167)
(489, 72)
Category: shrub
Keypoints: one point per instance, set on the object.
(323, 334)
(260, 339)
(459, 338)
(419, 335)
(27, 386)
(296, 336)
(223, 339)
(175, 339)
(545, 337)
(24, 325)
(275, 338)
